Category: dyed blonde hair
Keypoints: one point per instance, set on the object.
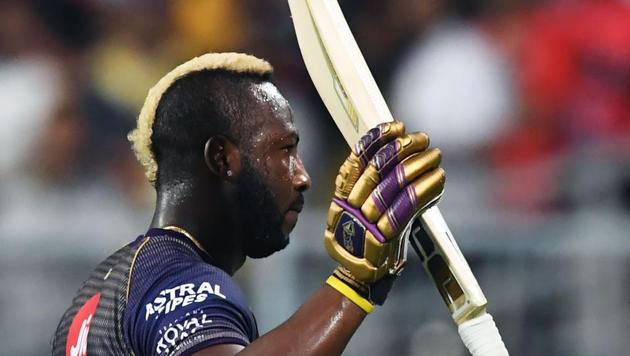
(140, 137)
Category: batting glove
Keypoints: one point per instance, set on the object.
(387, 180)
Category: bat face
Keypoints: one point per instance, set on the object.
(345, 84)
(337, 68)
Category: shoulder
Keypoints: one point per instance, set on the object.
(176, 297)
(169, 266)
(190, 285)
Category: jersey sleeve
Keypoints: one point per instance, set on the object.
(190, 306)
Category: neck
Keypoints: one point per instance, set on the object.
(207, 221)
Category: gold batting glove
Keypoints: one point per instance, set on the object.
(388, 179)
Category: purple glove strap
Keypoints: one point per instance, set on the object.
(402, 208)
(387, 157)
(386, 191)
(369, 144)
(359, 216)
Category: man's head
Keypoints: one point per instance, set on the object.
(220, 126)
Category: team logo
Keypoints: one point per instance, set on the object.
(350, 234)
(76, 344)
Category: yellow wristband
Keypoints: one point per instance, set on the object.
(350, 293)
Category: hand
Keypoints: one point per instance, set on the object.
(387, 180)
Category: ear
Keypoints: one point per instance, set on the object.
(222, 157)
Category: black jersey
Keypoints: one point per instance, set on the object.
(159, 295)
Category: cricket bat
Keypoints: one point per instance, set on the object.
(347, 88)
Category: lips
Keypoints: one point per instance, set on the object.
(298, 204)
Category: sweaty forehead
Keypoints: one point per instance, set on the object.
(273, 111)
(269, 97)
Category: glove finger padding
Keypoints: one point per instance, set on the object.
(382, 163)
(388, 189)
(414, 198)
(372, 142)
(362, 153)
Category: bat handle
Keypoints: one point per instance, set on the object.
(481, 337)
(433, 242)
(441, 258)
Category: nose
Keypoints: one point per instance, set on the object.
(301, 178)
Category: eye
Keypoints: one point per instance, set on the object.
(289, 148)
(289, 144)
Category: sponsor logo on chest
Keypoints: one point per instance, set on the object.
(186, 294)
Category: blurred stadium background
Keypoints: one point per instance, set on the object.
(529, 100)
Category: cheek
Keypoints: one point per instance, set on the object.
(280, 171)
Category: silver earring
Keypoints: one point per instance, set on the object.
(229, 172)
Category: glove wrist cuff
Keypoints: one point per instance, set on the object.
(342, 287)
(345, 276)
(375, 293)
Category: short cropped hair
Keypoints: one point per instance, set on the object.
(198, 99)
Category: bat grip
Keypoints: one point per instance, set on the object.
(481, 337)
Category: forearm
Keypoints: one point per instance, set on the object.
(322, 326)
